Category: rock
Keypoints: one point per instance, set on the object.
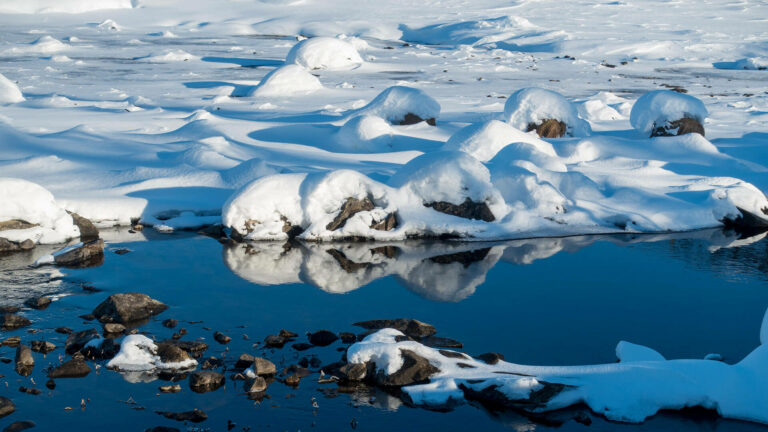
(550, 128)
(441, 342)
(51, 384)
(292, 380)
(13, 321)
(113, 328)
(25, 363)
(77, 340)
(350, 207)
(128, 307)
(9, 309)
(31, 391)
(170, 353)
(273, 341)
(205, 381)
(411, 327)
(323, 338)
(682, 126)
(19, 426)
(16, 224)
(491, 396)
(415, 370)
(171, 388)
(88, 231)
(43, 347)
(107, 349)
(170, 323)
(75, 368)
(89, 254)
(221, 338)
(347, 337)
(468, 209)
(256, 385)
(63, 330)
(454, 354)
(490, 358)
(6, 406)
(411, 118)
(12, 341)
(262, 366)
(194, 416)
(194, 348)
(387, 224)
(38, 303)
(354, 372)
(244, 361)
(301, 346)
(287, 334)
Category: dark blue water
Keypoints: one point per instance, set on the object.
(549, 301)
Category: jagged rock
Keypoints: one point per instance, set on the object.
(682, 126)
(77, 340)
(354, 371)
(287, 334)
(128, 307)
(550, 128)
(244, 361)
(468, 209)
(256, 385)
(43, 347)
(19, 426)
(350, 207)
(411, 118)
(415, 370)
(113, 328)
(170, 353)
(387, 224)
(411, 327)
(88, 255)
(75, 368)
(13, 322)
(205, 381)
(221, 338)
(194, 416)
(6, 406)
(88, 231)
(25, 363)
(323, 338)
(262, 366)
(292, 230)
(491, 358)
(38, 303)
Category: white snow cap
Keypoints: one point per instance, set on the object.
(324, 53)
(139, 353)
(533, 105)
(29, 202)
(287, 80)
(484, 140)
(661, 106)
(364, 134)
(395, 102)
(9, 92)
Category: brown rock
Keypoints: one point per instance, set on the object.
(75, 368)
(13, 321)
(468, 209)
(682, 126)
(256, 385)
(205, 381)
(90, 254)
(415, 370)
(43, 347)
(113, 328)
(6, 406)
(38, 303)
(25, 363)
(221, 338)
(262, 366)
(387, 224)
(550, 128)
(128, 307)
(19, 426)
(88, 231)
(351, 207)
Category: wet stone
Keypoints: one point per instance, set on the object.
(38, 303)
(194, 416)
(63, 330)
(169, 353)
(354, 371)
(411, 327)
(170, 323)
(30, 391)
(12, 341)
(273, 341)
(77, 340)
(323, 338)
(244, 361)
(221, 338)
(75, 368)
(415, 370)
(441, 342)
(347, 337)
(9, 309)
(13, 322)
(6, 406)
(24, 363)
(205, 381)
(43, 347)
(256, 385)
(19, 426)
(128, 307)
(262, 366)
(171, 388)
(113, 328)
(88, 255)
(490, 358)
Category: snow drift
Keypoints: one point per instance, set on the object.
(9, 92)
(324, 53)
(287, 80)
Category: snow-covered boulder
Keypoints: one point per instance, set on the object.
(665, 112)
(484, 140)
(9, 91)
(44, 221)
(324, 53)
(401, 105)
(549, 113)
(288, 80)
(364, 134)
(140, 353)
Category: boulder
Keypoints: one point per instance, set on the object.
(205, 381)
(415, 370)
(549, 128)
(262, 366)
(43, 347)
(13, 321)
(323, 338)
(221, 338)
(75, 368)
(244, 361)
(25, 363)
(88, 231)
(256, 385)
(490, 358)
(468, 209)
(682, 126)
(170, 353)
(353, 371)
(38, 303)
(89, 254)
(350, 207)
(128, 307)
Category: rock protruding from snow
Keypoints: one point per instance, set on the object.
(288, 80)
(364, 134)
(484, 140)
(46, 221)
(139, 353)
(666, 112)
(401, 105)
(547, 112)
(9, 91)
(324, 53)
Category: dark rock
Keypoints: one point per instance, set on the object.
(194, 416)
(25, 363)
(6, 406)
(411, 118)
(90, 254)
(415, 370)
(292, 230)
(466, 258)
(262, 366)
(221, 338)
(128, 307)
(345, 263)
(297, 370)
(213, 231)
(287, 334)
(453, 354)
(121, 251)
(88, 231)
(51, 384)
(387, 224)
(550, 128)
(77, 340)
(212, 363)
(205, 381)
(493, 398)
(63, 330)
(256, 385)
(350, 207)
(490, 358)
(43, 347)
(682, 126)
(323, 338)
(39, 303)
(347, 337)
(31, 391)
(301, 346)
(292, 380)
(19, 426)
(273, 341)
(465, 365)
(411, 327)
(244, 361)
(353, 372)
(13, 322)
(9, 309)
(87, 317)
(441, 342)
(104, 351)
(75, 368)
(113, 328)
(170, 323)
(194, 348)
(170, 353)
(468, 209)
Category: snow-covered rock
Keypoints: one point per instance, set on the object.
(402, 105)
(140, 353)
(364, 134)
(661, 108)
(9, 92)
(484, 140)
(287, 80)
(529, 107)
(324, 53)
(26, 201)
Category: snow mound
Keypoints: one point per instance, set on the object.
(749, 63)
(169, 56)
(484, 140)
(659, 107)
(364, 134)
(61, 6)
(324, 53)
(9, 92)
(139, 353)
(531, 106)
(287, 80)
(597, 110)
(397, 102)
(469, 32)
(648, 383)
(26, 201)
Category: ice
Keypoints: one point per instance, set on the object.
(656, 108)
(285, 81)
(531, 106)
(9, 91)
(324, 53)
(139, 353)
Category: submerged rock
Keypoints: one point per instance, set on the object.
(6, 406)
(274, 341)
(128, 307)
(75, 368)
(468, 209)
(221, 338)
(194, 416)
(323, 338)
(87, 255)
(205, 381)
(19, 426)
(24, 363)
(13, 321)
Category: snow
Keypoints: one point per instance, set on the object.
(484, 140)
(636, 388)
(750, 63)
(324, 53)
(285, 81)
(31, 203)
(364, 134)
(139, 353)
(9, 91)
(394, 103)
(656, 108)
(61, 6)
(532, 105)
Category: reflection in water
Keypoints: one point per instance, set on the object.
(451, 271)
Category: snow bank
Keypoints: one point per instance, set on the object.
(61, 6)
(9, 92)
(477, 32)
(749, 63)
(287, 81)
(364, 134)
(639, 386)
(324, 53)
(484, 140)
(530, 106)
(396, 103)
(657, 108)
(139, 353)
(26, 201)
